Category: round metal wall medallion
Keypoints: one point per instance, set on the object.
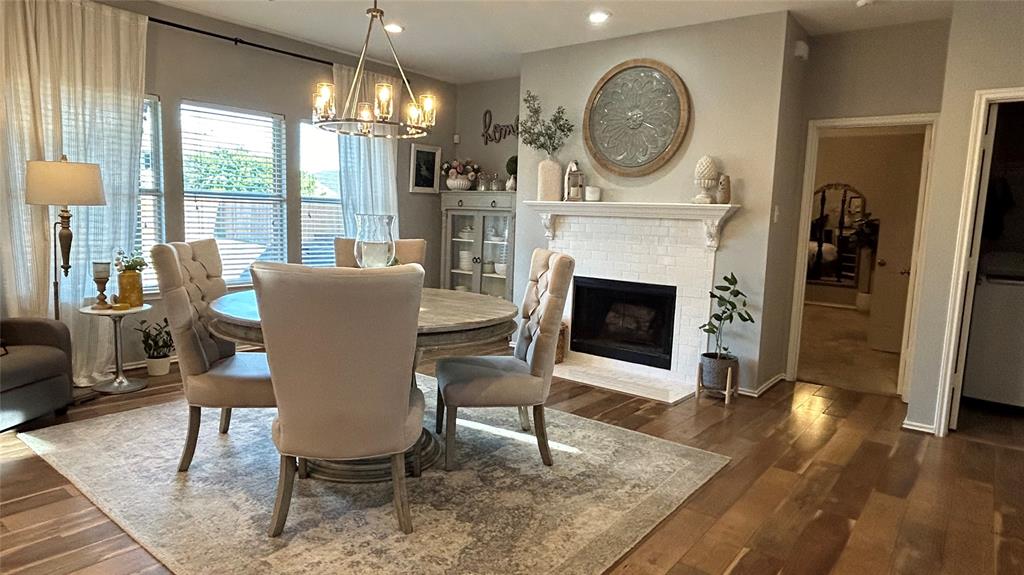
(636, 117)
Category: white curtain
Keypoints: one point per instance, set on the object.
(368, 165)
(73, 83)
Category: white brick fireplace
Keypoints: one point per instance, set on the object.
(653, 243)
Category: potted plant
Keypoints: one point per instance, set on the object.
(129, 277)
(157, 342)
(460, 174)
(730, 303)
(548, 137)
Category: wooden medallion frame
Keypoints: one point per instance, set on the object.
(677, 139)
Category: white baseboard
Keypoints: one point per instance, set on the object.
(763, 387)
(915, 426)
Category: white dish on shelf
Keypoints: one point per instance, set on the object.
(500, 269)
(495, 239)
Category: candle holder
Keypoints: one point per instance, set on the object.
(101, 275)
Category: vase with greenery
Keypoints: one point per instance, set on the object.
(547, 136)
(157, 342)
(729, 304)
(129, 277)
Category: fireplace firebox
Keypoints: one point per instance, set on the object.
(623, 320)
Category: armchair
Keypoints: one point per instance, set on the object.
(35, 373)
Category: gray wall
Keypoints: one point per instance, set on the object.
(787, 186)
(501, 97)
(183, 65)
(986, 50)
(733, 70)
(878, 72)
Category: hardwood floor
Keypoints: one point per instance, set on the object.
(821, 480)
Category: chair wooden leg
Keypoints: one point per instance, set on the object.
(439, 413)
(524, 418)
(303, 468)
(449, 440)
(542, 434)
(401, 496)
(417, 458)
(225, 419)
(283, 501)
(195, 417)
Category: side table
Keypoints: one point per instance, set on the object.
(120, 383)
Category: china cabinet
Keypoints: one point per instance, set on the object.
(479, 234)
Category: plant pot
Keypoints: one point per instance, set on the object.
(459, 183)
(715, 371)
(158, 366)
(549, 180)
(129, 288)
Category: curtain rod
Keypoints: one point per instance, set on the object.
(239, 41)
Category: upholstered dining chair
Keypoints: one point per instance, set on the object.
(522, 379)
(189, 275)
(412, 251)
(345, 393)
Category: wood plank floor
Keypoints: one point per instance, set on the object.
(821, 480)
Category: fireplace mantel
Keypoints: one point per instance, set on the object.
(711, 215)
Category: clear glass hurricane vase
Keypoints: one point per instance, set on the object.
(375, 244)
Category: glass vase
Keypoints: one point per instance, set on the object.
(375, 244)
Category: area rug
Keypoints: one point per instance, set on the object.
(501, 511)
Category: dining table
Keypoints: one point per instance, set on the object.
(448, 320)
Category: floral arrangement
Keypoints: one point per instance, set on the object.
(156, 339)
(130, 262)
(547, 135)
(467, 168)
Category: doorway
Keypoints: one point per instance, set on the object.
(853, 294)
(989, 368)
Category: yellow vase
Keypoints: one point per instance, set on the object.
(129, 288)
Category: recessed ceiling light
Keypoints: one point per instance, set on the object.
(598, 17)
(394, 28)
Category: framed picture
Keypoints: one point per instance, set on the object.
(424, 169)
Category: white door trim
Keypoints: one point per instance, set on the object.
(814, 129)
(965, 231)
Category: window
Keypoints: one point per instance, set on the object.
(149, 223)
(322, 216)
(233, 164)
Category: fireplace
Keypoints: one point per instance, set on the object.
(623, 320)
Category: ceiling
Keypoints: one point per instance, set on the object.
(462, 41)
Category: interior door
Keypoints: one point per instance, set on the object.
(897, 213)
(981, 189)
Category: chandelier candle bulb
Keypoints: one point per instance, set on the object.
(414, 114)
(429, 109)
(323, 102)
(384, 105)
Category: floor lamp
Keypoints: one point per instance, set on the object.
(63, 184)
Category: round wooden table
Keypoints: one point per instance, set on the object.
(448, 320)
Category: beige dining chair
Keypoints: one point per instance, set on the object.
(189, 276)
(412, 251)
(522, 379)
(343, 394)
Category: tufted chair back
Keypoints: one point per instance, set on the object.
(412, 251)
(543, 304)
(189, 275)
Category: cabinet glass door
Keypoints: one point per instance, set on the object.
(464, 228)
(495, 264)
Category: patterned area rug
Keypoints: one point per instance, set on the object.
(502, 511)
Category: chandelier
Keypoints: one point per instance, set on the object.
(376, 119)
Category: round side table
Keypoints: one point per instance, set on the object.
(120, 383)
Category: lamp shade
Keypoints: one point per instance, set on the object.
(63, 183)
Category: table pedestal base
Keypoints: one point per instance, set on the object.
(375, 469)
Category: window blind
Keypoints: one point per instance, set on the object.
(233, 164)
(322, 214)
(149, 223)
